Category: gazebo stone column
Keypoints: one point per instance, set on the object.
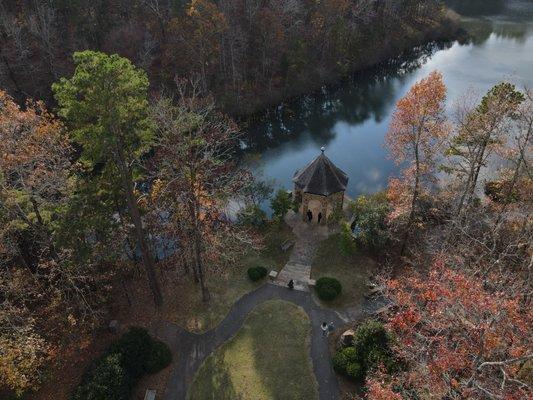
(305, 206)
(324, 210)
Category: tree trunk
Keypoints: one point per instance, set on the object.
(478, 165)
(200, 270)
(516, 173)
(413, 202)
(465, 192)
(184, 264)
(198, 253)
(148, 262)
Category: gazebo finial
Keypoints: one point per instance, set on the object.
(323, 149)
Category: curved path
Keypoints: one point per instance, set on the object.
(192, 349)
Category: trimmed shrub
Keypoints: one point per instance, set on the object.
(256, 273)
(355, 371)
(343, 358)
(371, 335)
(328, 289)
(158, 358)
(340, 362)
(371, 349)
(134, 347)
(115, 373)
(108, 380)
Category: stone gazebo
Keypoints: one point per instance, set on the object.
(319, 188)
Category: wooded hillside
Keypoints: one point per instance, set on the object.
(249, 53)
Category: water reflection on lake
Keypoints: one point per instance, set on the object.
(352, 119)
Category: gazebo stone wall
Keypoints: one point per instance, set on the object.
(319, 187)
(318, 204)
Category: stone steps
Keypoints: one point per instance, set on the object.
(299, 273)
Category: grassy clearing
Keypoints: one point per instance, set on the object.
(267, 359)
(352, 272)
(228, 287)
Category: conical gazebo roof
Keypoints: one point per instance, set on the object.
(321, 177)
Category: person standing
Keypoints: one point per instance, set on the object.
(325, 329)
(319, 217)
(309, 215)
(291, 284)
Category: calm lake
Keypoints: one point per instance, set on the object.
(351, 120)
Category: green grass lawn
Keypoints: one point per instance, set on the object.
(271, 256)
(267, 359)
(352, 272)
(233, 283)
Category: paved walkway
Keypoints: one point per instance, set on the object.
(192, 349)
(308, 237)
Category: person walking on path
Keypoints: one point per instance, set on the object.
(309, 215)
(291, 284)
(331, 327)
(325, 329)
(319, 217)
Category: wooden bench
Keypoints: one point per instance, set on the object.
(287, 244)
(383, 310)
(150, 394)
(372, 292)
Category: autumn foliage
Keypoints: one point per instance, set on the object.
(416, 132)
(460, 338)
(248, 53)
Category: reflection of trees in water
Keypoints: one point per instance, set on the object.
(368, 94)
(509, 19)
(481, 29)
(477, 7)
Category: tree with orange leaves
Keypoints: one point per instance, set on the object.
(33, 173)
(459, 338)
(417, 129)
(379, 387)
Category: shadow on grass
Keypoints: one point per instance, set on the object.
(281, 341)
(268, 359)
(215, 385)
(352, 271)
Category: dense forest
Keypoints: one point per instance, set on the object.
(119, 159)
(248, 53)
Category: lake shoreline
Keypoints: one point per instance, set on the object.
(448, 30)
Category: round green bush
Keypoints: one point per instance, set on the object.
(355, 371)
(371, 335)
(158, 358)
(328, 289)
(340, 362)
(343, 358)
(351, 354)
(133, 346)
(107, 379)
(257, 273)
(114, 374)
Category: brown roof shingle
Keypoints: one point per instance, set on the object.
(321, 177)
